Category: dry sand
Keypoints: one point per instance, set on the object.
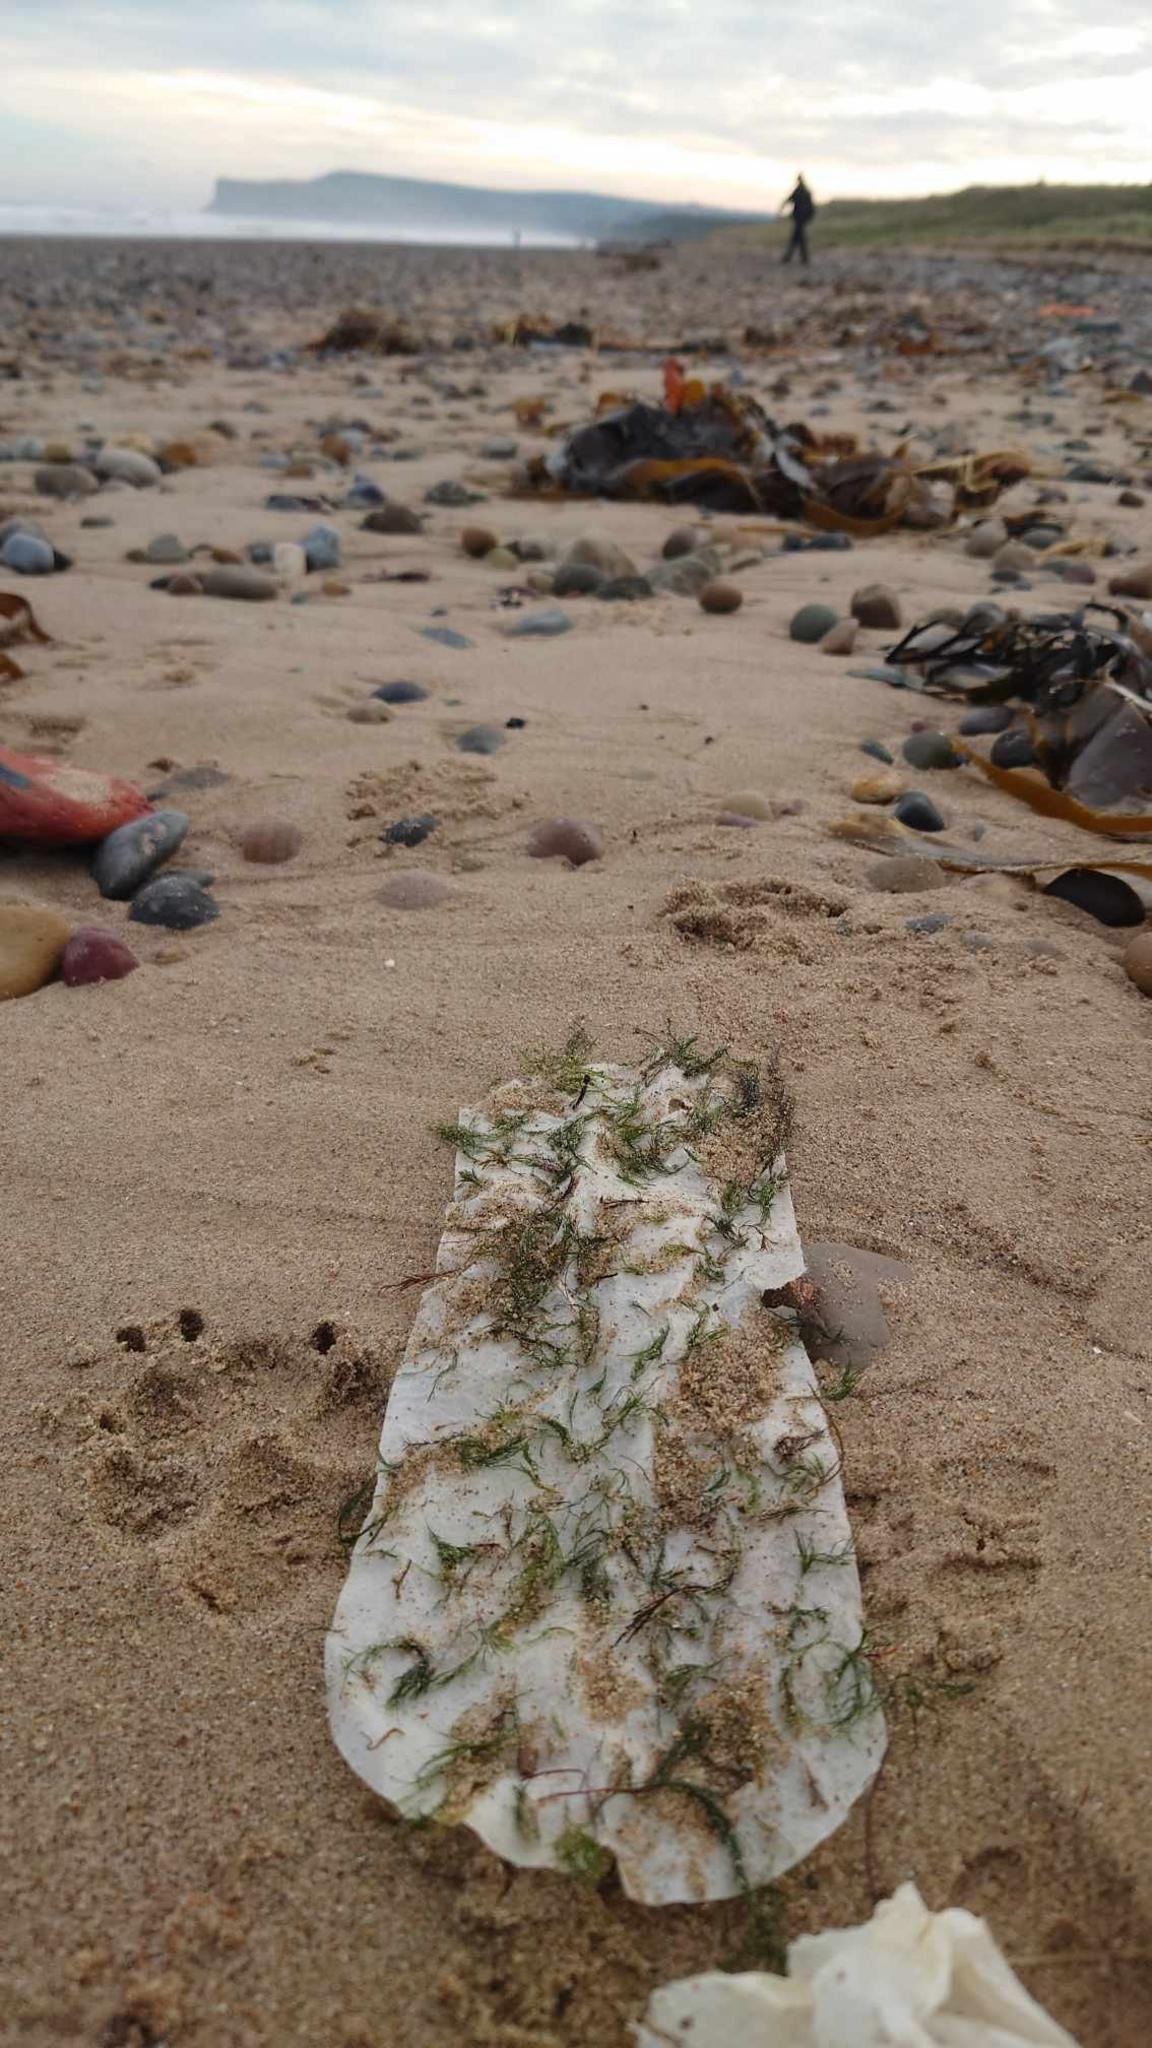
(242, 1130)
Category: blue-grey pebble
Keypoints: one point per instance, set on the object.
(134, 851)
(401, 693)
(481, 739)
(409, 831)
(918, 812)
(543, 625)
(322, 548)
(986, 718)
(576, 579)
(446, 636)
(930, 750)
(27, 555)
(932, 921)
(1014, 749)
(176, 901)
(877, 749)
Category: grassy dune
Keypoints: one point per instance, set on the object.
(1073, 215)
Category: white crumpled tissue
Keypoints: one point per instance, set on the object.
(908, 1978)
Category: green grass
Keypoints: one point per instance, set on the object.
(1071, 214)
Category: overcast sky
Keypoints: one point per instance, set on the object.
(146, 102)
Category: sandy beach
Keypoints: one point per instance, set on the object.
(220, 1170)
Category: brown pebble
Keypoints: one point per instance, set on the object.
(681, 541)
(332, 587)
(720, 597)
(478, 541)
(270, 840)
(902, 874)
(877, 606)
(1135, 582)
(882, 788)
(170, 955)
(184, 585)
(371, 713)
(1138, 961)
(415, 890)
(1014, 554)
(840, 638)
(31, 943)
(1132, 499)
(567, 839)
(228, 557)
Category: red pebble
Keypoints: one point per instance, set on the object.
(95, 955)
(54, 805)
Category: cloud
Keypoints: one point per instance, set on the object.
(662, 98)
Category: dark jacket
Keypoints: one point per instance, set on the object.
(803, 205)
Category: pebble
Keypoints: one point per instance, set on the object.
(478, 541)
(748, 803)
(624, 589)
(270, 841)
(576, 579)
(31, 944)
(841, 639)
(599, 553)
(500, 448)
(736, 818)
(681, 541)
(540, 625)
(445, 636)
(202, 776)
(686, 575)
(165, 548)
(905, 874)
(409, 831)
(986, 538)
(371, 713)
(93, 954)
(50, 803)
(1138, 961)
(65, 480)
(1069, 570)
(289, 561)
(720, 598)
(27, 555)
(249, 585)
(878, 751)
(812, 622)
(321, 547)
(452, 493)
(481, 739)
(501, 558)
(181, 585)
(878, 789)
(1013, 749)
(393, 519)
(1135, 582)
(1014, 555)
(919, 813)
(415, 890)
(1042, 536)
(933, 921)
(401, 693)
(877, 606)
(177, 901)
(134, 851)
(986, 718)
(930, 750)
(129, 466)
(569, 839)
(1131, 499)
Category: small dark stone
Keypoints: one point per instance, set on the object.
(392, 519)
(401, 693)
(481, 739)
(515, 724)
(1013, 749)
(130, 854)
(934, 921)
(681, 541)
(624, 589)
(811, 623)
(918, 812)
(930, 750)
(445, 636)
(175, 901)
(452, 493)
(409, 831)
(877, 749)
(576, 579)
(986, 718)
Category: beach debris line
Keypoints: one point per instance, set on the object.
(908, 1976)
(604, 1604)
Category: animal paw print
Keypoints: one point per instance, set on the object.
(766, 915)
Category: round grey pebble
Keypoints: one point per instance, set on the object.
(1013, 749)
(918, 812)
(986, 718)
(401, 693)
(576, 579)
(933, 921)
(481, 739)
(134, 851)
(177, 901)
(930, 750)
(811, 623)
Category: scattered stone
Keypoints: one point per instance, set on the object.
(500, 448)
(129, 466)
(919, 813)
(877, 606)
(415, 890)
(1131, 500)
(177, 901)
(720, 598)
(409, 831)
(95, 955)
(986, 718)
(685, 575)
(445, 636)
(1138, 961)
(1069, 569)
(934, 921)
(321, 549)
(812, 622)
(251, 586)
(540, 625)
(501, 558)
(270, 841)
(986, 539)
(905, 874)
(736, 818)
(681, 541)
(576, 579)
(31, 944)
(598, 553)
(1013, 749)
(1014, 555)
(1134, 582)
(50, 803)
(878, 751)
(930, 750)
(371, 713)
(393, 519)
(748, 803)
(841, 639)
(28, 555)
(65, 480)
(878, 789)
(203, 776)
(478, 541)
(134, 851)
(180, 585)
(567, 839)
(481, 739)
(165, 548)
(453, 494)
(401, 693)
(289, 561)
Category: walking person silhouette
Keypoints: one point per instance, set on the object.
(803, 209)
